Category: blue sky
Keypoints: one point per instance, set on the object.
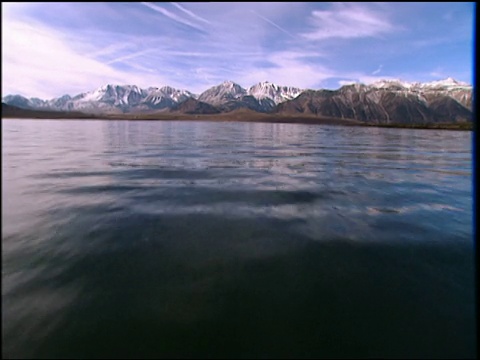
(52, 49)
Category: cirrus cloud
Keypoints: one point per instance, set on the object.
(348, 21)
(52, 49)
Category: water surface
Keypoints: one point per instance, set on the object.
(210, 239)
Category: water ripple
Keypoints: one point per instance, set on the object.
(226, 240)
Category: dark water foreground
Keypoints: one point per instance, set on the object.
(189, 239)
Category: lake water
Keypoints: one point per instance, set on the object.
(220, 239)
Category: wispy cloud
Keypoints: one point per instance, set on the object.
(130, 56)
(137, 66)
(272, 23)
(38, 61)
(110, 50)
(378, 70)
(289, 68)
(171, 15)
(348, 21)
(191, 13)
(198, 45)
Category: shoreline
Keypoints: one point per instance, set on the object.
(238, 116)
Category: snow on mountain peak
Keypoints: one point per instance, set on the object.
(111, 97)
(226, 90)
(229, 87)
(266, 83)
(448, 83)
(390, 83)
(230, 84)
(278, 94)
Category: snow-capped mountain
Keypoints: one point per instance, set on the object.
(165, 97)
(278, 94)
(108, 98)
(21, 102)
(460, 91)
(446, 84)
(115, 95)
(392, 85)
(177, 96)
(388, 101)
(59, 103)
(226, 91)
(262, 97)
(375, 101)
(229, 96)
(442, 85)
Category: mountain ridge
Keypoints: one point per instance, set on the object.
(384, 101)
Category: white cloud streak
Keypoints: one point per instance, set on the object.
(378, 70)
(38, 62)
(110, 50)
(130, 56)
(347, 21)
(191, 13)
(171, 15)
(274, 24)
(47, 56)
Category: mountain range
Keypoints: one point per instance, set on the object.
(382, 102)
